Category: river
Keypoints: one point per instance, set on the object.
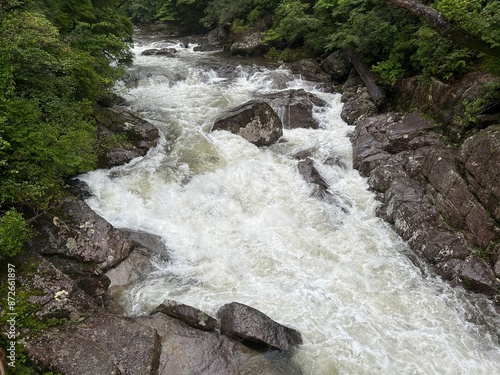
(240, 224)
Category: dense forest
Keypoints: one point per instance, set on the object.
(58, 58)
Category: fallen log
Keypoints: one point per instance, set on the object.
(375, 91)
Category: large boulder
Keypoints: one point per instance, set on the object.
(256, 329)
(295, 107)
(248, 45)
(255, 121)
(310, 70)
(187, 351)
(336, 65)
(72, 230)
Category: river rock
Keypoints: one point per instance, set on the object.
(52, 294)
(336, 65)
(255, 121)
(188, 314)
(187, 351)
(102, 344)
(72, 230)
(310, 173)
(138, 136)
(256, 329)
(310, 70)
(448, 104)
(248, 45)
(159, 52)
(295, 108)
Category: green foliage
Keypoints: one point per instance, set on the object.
(478, 17)
(14, 233)
(56, 59)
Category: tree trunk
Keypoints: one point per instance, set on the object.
(440, 24)
(367, 76)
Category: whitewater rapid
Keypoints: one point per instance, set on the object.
(240, 224)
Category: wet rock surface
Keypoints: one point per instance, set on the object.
(188, 314)
(256, 329)
(248, 45)
(295, 108)
(136, 136)
(188, 351)
(255, 121)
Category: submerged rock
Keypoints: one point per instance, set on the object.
(256, 329)
(255, 121)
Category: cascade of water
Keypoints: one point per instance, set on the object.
(241, 225)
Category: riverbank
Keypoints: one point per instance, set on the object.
(68, 297)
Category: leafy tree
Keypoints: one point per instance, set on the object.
(56, 59)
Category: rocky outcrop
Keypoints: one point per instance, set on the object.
(73, 231)
(101, 344)
(427, 189)
(248, 45)
(256, 329)
(255, 121)
(357, 101)
(451, 105)
(124, 135)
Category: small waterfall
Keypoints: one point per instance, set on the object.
(241, 224)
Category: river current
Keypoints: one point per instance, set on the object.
(241, 224)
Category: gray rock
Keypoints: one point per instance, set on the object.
(72, 230)
(187, 351)
(102, 344)
(159, 52)
(310, 70)
(248, 45)
(336, 65)
(295, 108)
(480, 155)
(139, 136)
(255, 121)
(253, 327)
(188, 314)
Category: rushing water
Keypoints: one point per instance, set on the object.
(241, 225)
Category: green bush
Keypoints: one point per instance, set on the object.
(14, 233)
